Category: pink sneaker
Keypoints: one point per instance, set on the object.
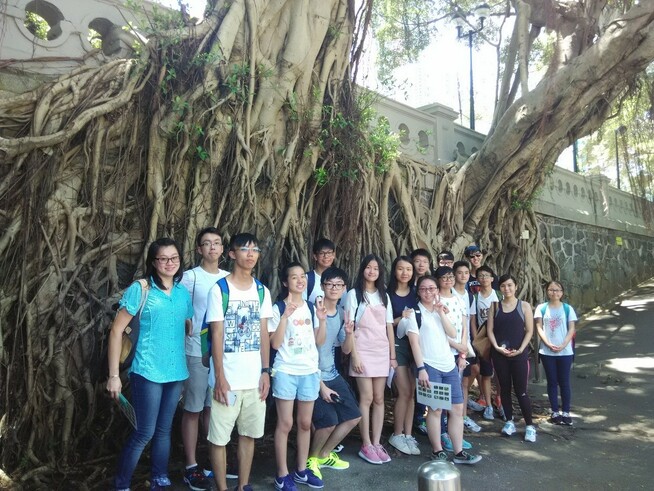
(382, 454)
(369, 454)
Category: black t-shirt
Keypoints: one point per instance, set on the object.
(399, 303)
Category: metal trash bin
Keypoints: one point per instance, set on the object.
(438, 476)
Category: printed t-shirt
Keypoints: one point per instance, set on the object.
(458, 311)
(241, 333)
(198, 282)
(298, 354)
(159, 355)
(555, 328)
(484, 305)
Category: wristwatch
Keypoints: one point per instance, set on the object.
(267, 370)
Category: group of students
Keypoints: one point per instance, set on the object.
(420, 327)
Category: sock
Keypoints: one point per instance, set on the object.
(191, 466)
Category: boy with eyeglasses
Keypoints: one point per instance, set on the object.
(240, 355)
(324, 254)
(336, 411)
(197, 395)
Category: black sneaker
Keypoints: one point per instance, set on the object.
(556, 419)
(440, 455)
(464, 457)
(195, 479)
(566, 420)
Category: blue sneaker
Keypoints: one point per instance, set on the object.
(446, 443)
(285, 483)
(308, 478)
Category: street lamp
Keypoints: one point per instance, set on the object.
(465, 29)
(622, 129)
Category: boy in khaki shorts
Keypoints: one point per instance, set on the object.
(240, 373)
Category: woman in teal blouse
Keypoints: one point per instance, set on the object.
(159, 365)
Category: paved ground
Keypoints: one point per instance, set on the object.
(610, 446)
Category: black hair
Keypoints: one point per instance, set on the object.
(283, 278)
(485, 267)
(323, 243)
(242, 240)
(460, 264)
(206, 230)
(333, 272)
(506, 277)
(421, 252)
(557, 283)
(379, 283)
(392, 280)
(421, 280)
(442, 271)
(151, 273)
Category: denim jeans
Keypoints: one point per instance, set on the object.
(557, 372)
(154, 405)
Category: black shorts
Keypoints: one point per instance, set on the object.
(485, 367)
(403, 352)
(327, 414)
(467, 371)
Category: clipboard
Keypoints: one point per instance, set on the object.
(127, 409)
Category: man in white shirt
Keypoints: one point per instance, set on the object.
(197, 396)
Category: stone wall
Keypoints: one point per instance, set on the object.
(597, 263)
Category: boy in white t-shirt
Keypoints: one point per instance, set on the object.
(324, 254)
(197, 395)
(240, 351)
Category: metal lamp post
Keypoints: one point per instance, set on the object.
(464, 29)
(621, 130)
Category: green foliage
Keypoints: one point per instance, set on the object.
(237, 80)
(37, 25)
(95, 38)
(517, 203)
(354, 138)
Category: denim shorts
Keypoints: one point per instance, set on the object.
(291, 387)
(452, 378)
(327, 414)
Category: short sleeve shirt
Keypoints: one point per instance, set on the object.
(298, 354)
(555, 328)
(433, 341)
(241, 333)
(159, 355)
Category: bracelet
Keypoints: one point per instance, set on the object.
(422, 368)
(114, 376)
(393, 359)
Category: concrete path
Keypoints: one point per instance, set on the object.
(610, 446)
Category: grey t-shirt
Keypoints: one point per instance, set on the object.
(335, 337)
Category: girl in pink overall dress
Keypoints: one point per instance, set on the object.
(373, 353)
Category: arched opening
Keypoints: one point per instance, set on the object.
(43, 20)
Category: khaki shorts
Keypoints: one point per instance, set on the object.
(248, 413)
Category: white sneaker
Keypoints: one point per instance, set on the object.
(509, 428)
(400, 442)
(530, 434)
(488, 413)
(413, 445)
(471, 425)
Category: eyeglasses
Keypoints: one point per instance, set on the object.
(483, 276)
(215, 243)
(554, 291)
(429, 289)
(447, 277)
(325, 253)
(478, 254)
(333, 286)
(166, 260)
(253, 250)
